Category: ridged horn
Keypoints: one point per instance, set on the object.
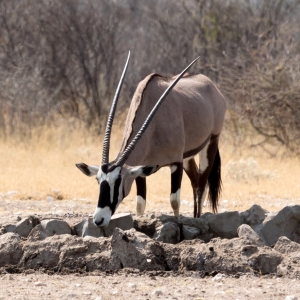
(106, 142)
(130, 147)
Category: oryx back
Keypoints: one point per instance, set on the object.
(192, 112)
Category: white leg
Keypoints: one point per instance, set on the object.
(140, 205)
(175, 202)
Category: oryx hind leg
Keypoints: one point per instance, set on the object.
(176, 177)
(191, 169)
(206, 181)
(141, 195)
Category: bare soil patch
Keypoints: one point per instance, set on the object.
(123, 285)
(127, 283)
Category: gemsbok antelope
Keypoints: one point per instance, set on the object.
(185, 121)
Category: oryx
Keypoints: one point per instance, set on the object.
(185, 121)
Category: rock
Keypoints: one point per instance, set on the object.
(39, 233)
(146, 225)
(189, 233)
(167, 218)
(254, 216)
(222, 256)
(290, 266)
(194, 257)
(123, 221)
(225, 224)
(284, 223)
(55, 226)
(10, 228)
(24, 226)
(136, 250)
(10, 249)
(296, 234)
(286, 246)
(247, 233)
(168, 233)
(88, 228)
(69, 252)
(199, 223)
(265, 261)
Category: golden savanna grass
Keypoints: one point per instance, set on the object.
(45, 166)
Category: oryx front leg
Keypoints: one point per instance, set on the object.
(141, 195)
(176, 177)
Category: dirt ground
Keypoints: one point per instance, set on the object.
(142, 286)
(128, 284)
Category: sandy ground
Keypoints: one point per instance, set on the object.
(142, 286)
(128, 284)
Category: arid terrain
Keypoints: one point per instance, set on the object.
(144, 286)
(41, 178)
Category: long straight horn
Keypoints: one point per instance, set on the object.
(133, 143)
(106, 142)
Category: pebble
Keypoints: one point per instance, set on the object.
(290, 297)
(157, 292)
(219, 277)
(38, 283)
(8, 277)
(87, 293)
(132, 285)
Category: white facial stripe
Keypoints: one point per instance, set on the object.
(203, 159)
(109, 177)
(102, 213)
(175, 202)
(173, 168)
(140, 205)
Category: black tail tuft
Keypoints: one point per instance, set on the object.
(214, 182)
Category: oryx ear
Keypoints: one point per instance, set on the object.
(88, 170)
(142, 171)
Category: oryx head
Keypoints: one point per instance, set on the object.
(112, 176)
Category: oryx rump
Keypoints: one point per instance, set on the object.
(185, 121)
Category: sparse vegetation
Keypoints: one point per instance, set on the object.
(62, 60)
(60, 63)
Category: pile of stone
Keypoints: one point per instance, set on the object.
(253, 241)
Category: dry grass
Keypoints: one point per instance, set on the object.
(45, 167)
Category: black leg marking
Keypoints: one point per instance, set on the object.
(191, 169)
(141, 187)
(141, 195)
(176, 178)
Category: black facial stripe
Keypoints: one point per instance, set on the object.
(104, 168)
(104, 196)
(116, 194)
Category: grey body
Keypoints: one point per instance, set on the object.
(192, 113)
(169, 121)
